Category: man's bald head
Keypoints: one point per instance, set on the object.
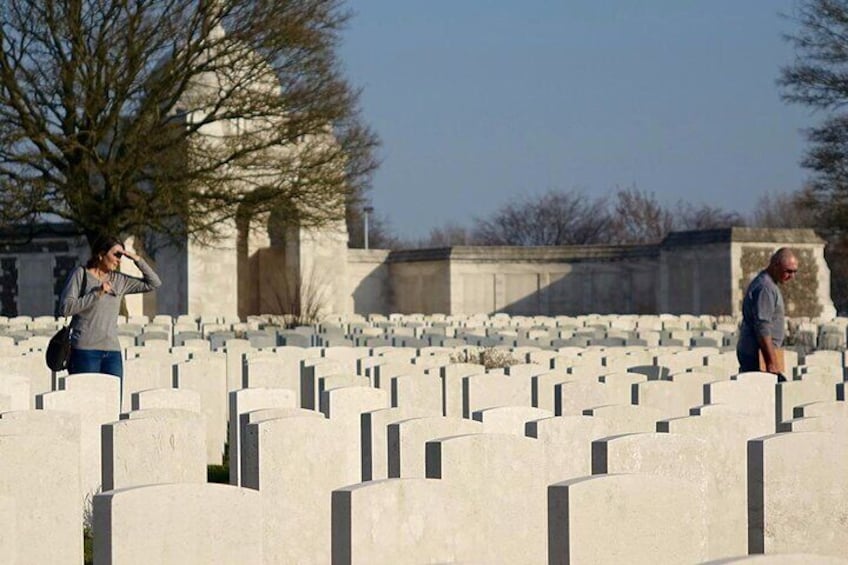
(781, 256)
(783, 265)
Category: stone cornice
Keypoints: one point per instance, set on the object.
(741, 235)
(38, 238)
(358, 255)
(42, 230)
(551, 254)
(577, 253)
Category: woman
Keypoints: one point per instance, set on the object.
(92, 295)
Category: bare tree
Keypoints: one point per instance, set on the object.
(688, 216)
(448, 235)
(817, 79)
(630, 216)
(176, 115)
(554, 218)
(637, 217)
(784, 210)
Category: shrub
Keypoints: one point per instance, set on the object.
(489, 357)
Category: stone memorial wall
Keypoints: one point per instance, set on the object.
(248, 273)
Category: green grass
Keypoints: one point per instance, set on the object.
(87, 547)
(217, 474)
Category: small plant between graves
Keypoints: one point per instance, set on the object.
(489, 357)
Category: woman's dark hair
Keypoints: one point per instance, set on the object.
(100, 248)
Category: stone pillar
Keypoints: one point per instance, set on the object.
(145, 304)
(171, 264)
(808, 294)
(35, 274)
(252, 237)
(212, 275)
(316, 268)
(707, 272)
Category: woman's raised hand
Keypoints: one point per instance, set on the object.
(130, 255)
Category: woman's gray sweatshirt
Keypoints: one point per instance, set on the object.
(95, 317)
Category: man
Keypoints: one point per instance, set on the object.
(762, 329)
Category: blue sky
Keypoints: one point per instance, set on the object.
(479, 102)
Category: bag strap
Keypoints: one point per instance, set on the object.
(82, 288)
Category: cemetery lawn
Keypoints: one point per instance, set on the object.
(218, 474)
(87, 547)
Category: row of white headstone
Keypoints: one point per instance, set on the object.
(415, 330)
(358, 321)
(356, 455)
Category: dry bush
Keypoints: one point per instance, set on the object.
(489, 357)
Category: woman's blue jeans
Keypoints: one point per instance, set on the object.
(96, 361)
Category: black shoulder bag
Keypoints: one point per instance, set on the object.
(59, 349)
